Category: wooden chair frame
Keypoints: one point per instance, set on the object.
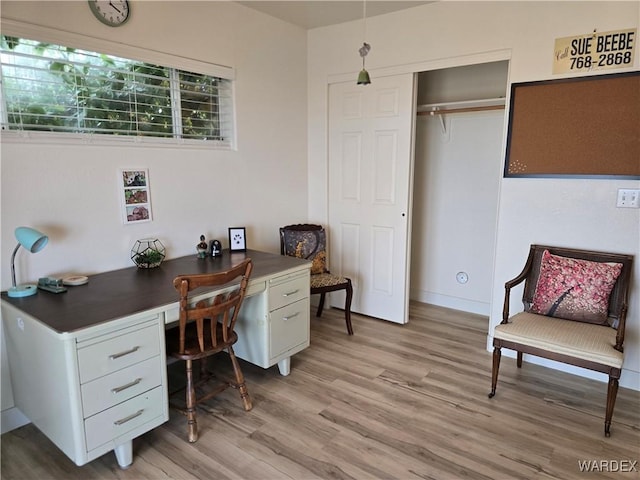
(617, 312)
(214, 322)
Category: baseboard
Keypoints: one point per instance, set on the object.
(462, 304)
(629, 378)
(11, 419)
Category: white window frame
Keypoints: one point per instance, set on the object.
(20, 29)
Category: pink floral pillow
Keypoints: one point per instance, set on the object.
(574, 289)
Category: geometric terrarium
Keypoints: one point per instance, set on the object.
(148, 253)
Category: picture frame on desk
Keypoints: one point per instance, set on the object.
(237, 239)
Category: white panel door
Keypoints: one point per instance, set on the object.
(371, 136)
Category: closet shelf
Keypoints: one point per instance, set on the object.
(460, 107)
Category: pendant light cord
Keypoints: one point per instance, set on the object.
(363, 76)
(364, 21)
(364, 50)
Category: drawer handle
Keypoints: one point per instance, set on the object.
(129, 418)
(290, 316)
(291, 293)
(122, 354)
(128, 385)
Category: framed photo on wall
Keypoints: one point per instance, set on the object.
(237, 239)
(134, 195)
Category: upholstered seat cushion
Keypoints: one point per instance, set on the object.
(321, 280)
(578, 339)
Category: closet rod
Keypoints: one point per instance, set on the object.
(461, 110)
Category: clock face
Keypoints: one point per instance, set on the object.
(110, 12)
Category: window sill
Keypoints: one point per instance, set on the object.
(33, 137)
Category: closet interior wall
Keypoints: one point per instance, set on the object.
(458, 167)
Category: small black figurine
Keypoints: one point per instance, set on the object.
(215, 249)
(202, 248)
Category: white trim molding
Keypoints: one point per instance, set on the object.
(46, 34)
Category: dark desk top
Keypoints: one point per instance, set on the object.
(120, 293)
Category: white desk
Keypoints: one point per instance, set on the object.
(88, 366)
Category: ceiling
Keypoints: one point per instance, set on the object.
(312, 13)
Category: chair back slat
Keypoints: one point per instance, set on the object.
(219, 313)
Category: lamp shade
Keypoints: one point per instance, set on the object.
(31, 239)
(34, 241)
(363, 77)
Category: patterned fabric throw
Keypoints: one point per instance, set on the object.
(309, 245)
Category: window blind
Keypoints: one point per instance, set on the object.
(47, 87)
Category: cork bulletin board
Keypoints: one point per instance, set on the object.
(575, 127)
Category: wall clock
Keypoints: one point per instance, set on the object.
(110, 12)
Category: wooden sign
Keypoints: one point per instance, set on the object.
(595, 51)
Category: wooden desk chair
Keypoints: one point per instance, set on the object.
(309, 242)
(575, 307)
(205, 329)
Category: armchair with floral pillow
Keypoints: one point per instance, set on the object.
(575, 307)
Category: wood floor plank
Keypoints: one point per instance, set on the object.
(398, 441)
(390, 402)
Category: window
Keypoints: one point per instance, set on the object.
(53, 88)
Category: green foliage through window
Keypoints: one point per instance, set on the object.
(60, 89)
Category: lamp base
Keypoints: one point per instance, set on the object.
(22, 291)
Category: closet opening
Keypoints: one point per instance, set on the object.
(460, 128)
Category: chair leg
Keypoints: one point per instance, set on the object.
(519, 360)
(497, 353)
(204, 373)
(612, 392)
(347, 307)
(320, 305)
(192, 425)
(242, 387)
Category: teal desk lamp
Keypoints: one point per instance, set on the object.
(34, 241)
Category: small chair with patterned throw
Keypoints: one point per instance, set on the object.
(309, 242)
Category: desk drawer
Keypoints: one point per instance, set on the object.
(289, 327)
(118, 352)
(288, 292)
(115, 388)
(122, 418)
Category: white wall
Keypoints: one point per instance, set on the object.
(72, 193)
(69, 191)
(580, 212)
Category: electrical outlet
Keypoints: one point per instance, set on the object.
(628, 198)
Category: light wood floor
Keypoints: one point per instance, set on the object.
(391, 402)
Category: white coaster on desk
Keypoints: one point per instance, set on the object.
(75, 280)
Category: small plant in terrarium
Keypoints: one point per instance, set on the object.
(150, 258)
(148, 253)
